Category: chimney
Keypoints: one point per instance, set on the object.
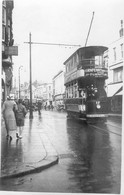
(121, 31)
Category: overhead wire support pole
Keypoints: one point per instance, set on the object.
(31, 111)
(30, 80)
(89, 29)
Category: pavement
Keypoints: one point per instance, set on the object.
(33, 153)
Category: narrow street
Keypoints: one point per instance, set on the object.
(89, 157)
(61, 60)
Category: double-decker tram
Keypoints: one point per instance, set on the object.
(85, 75)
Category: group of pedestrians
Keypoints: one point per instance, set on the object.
(14, 115)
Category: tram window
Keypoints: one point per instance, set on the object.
(98, 60)
(76, 91)
(67, 93)
(66, 68)
(72, 62)
(105, 62)
(75, 60)
(71, 91)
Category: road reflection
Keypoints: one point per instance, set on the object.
(92, 169)
(11, 154)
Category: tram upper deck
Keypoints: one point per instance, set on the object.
(86, 61)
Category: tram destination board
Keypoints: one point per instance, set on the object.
(96, 72)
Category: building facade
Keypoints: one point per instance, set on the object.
(58, 88)
(44, 93)
(115, 73)
(7, 48)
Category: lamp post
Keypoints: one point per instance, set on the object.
(31, 111)
(19, 80)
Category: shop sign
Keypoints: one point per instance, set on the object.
(12, 51)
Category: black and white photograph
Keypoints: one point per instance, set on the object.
(62, 97)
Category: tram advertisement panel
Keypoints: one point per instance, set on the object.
(97, 72)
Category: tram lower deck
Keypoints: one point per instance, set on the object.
(86, 99)
(90, 111)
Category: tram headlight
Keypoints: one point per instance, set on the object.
(98, 106)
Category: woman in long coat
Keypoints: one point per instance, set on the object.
(8, 114)
(20, 116)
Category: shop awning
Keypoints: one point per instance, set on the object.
(119, 91)
(113, 89)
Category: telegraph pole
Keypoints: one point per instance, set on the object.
(30, 68)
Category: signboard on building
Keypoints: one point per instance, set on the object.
(11, 51)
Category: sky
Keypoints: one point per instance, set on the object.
(60, 21)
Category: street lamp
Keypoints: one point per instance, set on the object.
(19, 80)
(31, 111)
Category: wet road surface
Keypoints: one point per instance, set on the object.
(90, 158)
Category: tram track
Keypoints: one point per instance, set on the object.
(113, 125)
(106, 131)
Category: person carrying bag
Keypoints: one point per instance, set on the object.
(20, 117)
(9, 117)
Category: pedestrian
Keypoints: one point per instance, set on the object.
(9, 117)
(20, 116)
(51, 106)
(39, 107)
(45, 106)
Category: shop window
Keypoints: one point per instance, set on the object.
(114, 51)
(4, 15)
(9, 33)
(3, 32)
(118, 75)
(122, 54)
